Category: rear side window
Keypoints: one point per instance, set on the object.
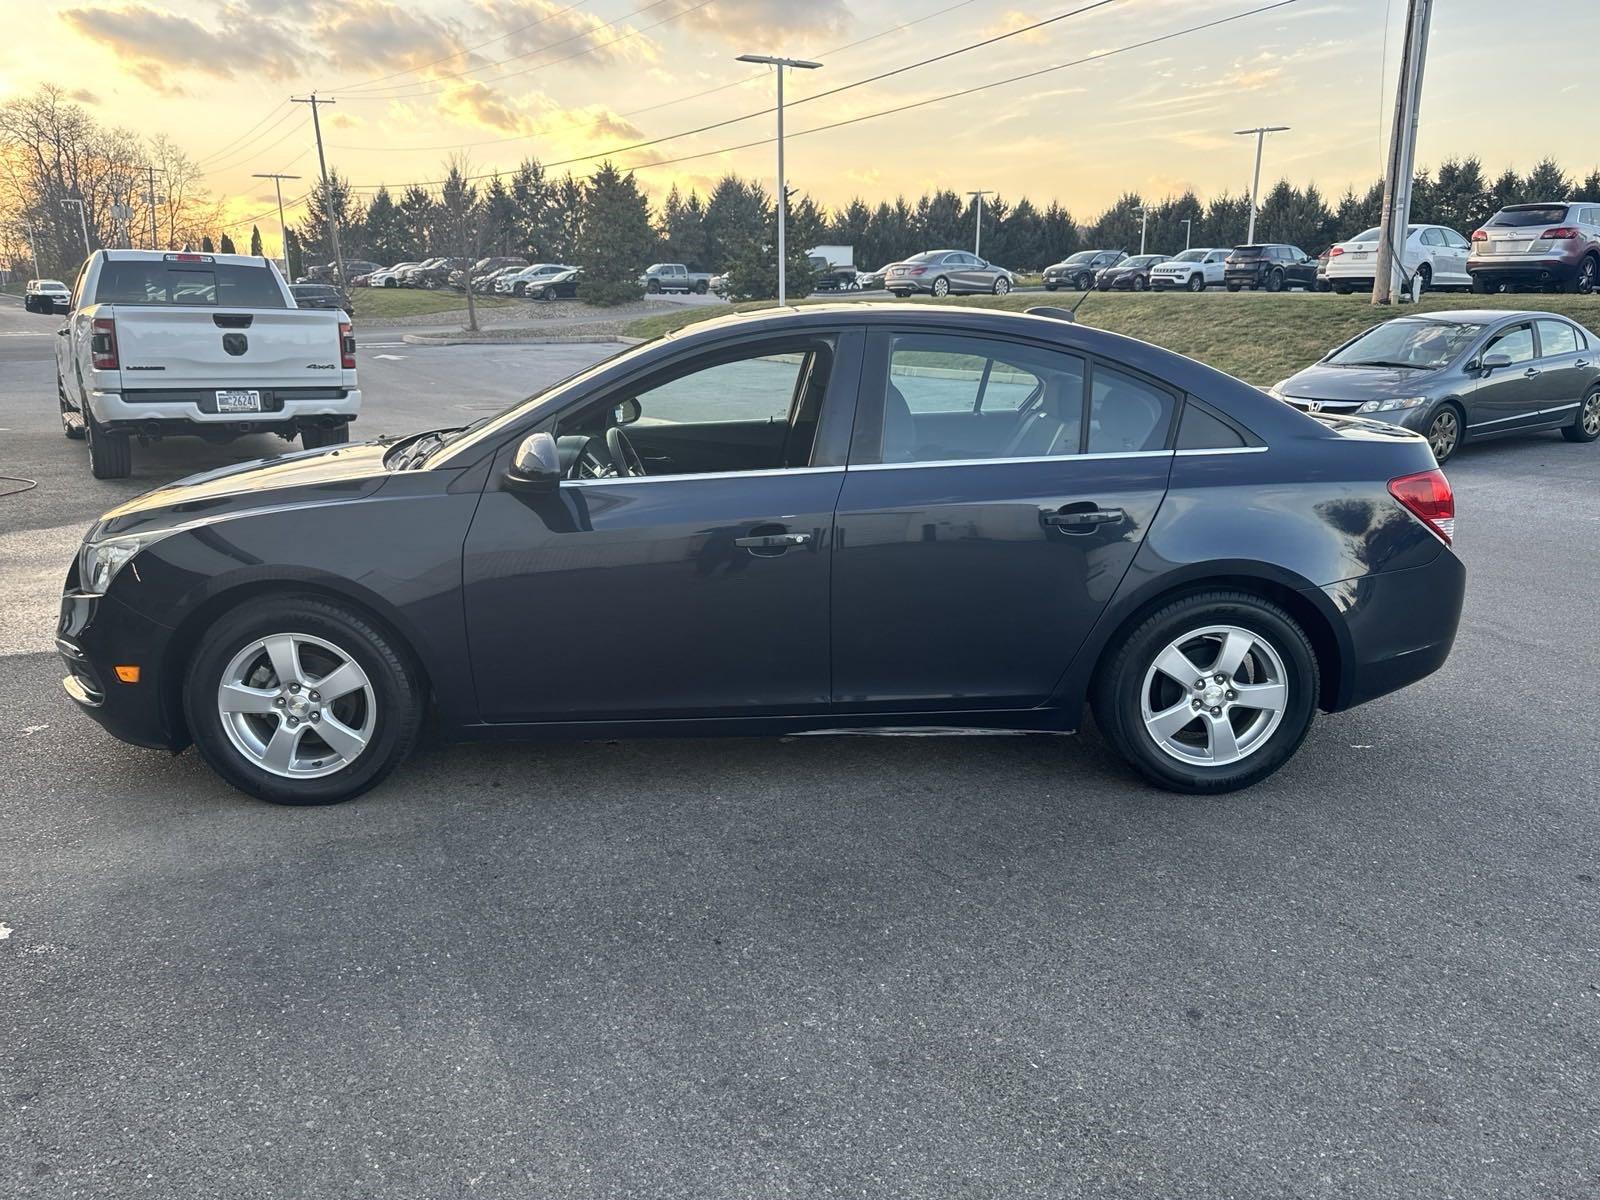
(1432, 237)
(1127, 414)
(1199, 430)
(1557, 337)
(225, 285)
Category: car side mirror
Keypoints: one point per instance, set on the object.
(1491, 362)
(537, 465)
(626, 413)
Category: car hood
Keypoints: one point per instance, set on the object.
(309, 477)
(1356, 383)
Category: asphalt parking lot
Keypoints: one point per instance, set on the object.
(930, 967)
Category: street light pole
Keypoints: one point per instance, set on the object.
(1188, 223)
(1144, 224)
(1260, 134)
(283, 229)
(783, 186)
(977, 236)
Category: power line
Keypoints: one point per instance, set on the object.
(632, 33)
(226, 146)
(1029, 28)
(900, 108)
(239, 161)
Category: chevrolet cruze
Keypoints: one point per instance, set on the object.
(850, 517)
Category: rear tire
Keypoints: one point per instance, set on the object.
(110, 454)
(1424, 279)
(1239, 728)
(1140, 283)
(1586, 280)
(315, 437)
(1585, 426)
(653, 287)
(384, 712)
(941, 287)
(1275, 282)
(1234, 287)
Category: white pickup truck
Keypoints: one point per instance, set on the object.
(210, 345)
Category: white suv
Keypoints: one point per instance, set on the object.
(1435, 254)
(46, 295)
(1195, 270)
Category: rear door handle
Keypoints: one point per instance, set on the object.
(772, 541)
(1080, 520)
(1582, 362)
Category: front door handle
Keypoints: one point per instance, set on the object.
(1080, 520)
(1531, 372)
(1582, 362)
(772, 541)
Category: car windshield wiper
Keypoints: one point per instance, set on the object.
(417, 450)
(1387, 362)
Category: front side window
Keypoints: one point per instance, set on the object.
(952, 398)
(1557, 337)
(749, 389)
(1516, 343)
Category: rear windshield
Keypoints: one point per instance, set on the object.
(1518, 218)
(228, 285)
(308, 290)
(1249, 252)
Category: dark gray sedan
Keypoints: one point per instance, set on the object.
(1461, 376)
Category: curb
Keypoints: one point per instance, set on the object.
(448, 339)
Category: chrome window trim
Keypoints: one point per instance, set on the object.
(1001, 462)
(615, 479)
(1196, 451)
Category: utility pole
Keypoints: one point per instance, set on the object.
(1144, 224)
(327, 191)
(977, 235)
(1387, 276)
(283, 229)
(1188, 224)
(83, 222)
(1260, 134)
(150, 173)
(783, 189)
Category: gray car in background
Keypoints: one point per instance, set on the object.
(1461, 376)
(941, 272)
(1078, 270)
(1541, 245)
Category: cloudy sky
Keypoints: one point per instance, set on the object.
(496, 80)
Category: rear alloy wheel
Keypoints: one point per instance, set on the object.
(1444, 433)
(1587, 279)
(1002, 285)
(941, 287)
(1585, 426)
(298, 700)
(1210, 693)
(1275, 282)
(1197, 282)
(110, 454)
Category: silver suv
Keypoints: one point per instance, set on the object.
(1543, 245)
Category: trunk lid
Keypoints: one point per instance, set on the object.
(171, 346)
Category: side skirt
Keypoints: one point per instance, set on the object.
(939, 724)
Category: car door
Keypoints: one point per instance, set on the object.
(1509, 397)
(1214, 266)
(968, 568)
(675, 595)
(1566, 368)
(1453, 259)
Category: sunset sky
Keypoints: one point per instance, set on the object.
(418, 79)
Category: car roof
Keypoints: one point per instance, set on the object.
(248, 260)
(1478, 316)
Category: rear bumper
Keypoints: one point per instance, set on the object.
(114, 410)
(96, 634)
(1524, 268)
(1401, 626)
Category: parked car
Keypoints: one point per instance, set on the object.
(515, 283)
(719, 285)
(210, 345)
(1270, 265)
(1459, 376)
(320, 295)
(1001, 464)
(1435, 254)
(673, 277)
(482, 269)
(563, 285)
(390, 276)
(833, 268)
(1131, 274)
(489, 284)
(1322, 271)
(438, 274)
(871, 281)
(1542, 245)
(354, 268)
(1194, 270)
(941, 272)
(46, 296)
(1079, 270)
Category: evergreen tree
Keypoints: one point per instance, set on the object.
(418, 216)
(293, 254)
(1589, 189)
(1506, 190)
(1059, 235)
(1547, 181)
(807, 225)
(736, 215)
(614, 237)
(499, 220)
(338, 200)
(255, 242)
(683, 235)
(1118, 227)
(563, 219)
(1460, 195)
(385, 234)
(206, 246)
(753, 274)
(226, 245)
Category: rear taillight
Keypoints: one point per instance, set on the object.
(103, 344)
(1427, 496)
(1479, 235)
(347, 346)
(1560, 233)
(1335, 252)
(917, 271)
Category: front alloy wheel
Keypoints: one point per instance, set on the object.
(296, 706)
(1444, 434)
(1002, 285)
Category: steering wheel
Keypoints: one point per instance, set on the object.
(624, 457)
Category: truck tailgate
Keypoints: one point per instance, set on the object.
(171, 346)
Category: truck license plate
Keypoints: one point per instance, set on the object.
(238, 400)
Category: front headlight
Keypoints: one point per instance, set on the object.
(1276, 390)
(1394, 404)
(99, 562)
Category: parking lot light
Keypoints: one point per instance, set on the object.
(783, 192)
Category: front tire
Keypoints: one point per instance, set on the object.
(1210, 693)
(299, 700)
(110, 454)
(1444, 433)
(1197, 282)
(1002, 285)
(1585, 426)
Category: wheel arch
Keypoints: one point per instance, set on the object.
(187, 634)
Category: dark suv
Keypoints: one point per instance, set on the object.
(1270, 265)
(1079, 270)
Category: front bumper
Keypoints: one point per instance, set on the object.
(1401, 626)
(94, 636)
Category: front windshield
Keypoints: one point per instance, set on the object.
(1141, 260)
(1189, 256)
(1423, 345)
(1082, 256)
